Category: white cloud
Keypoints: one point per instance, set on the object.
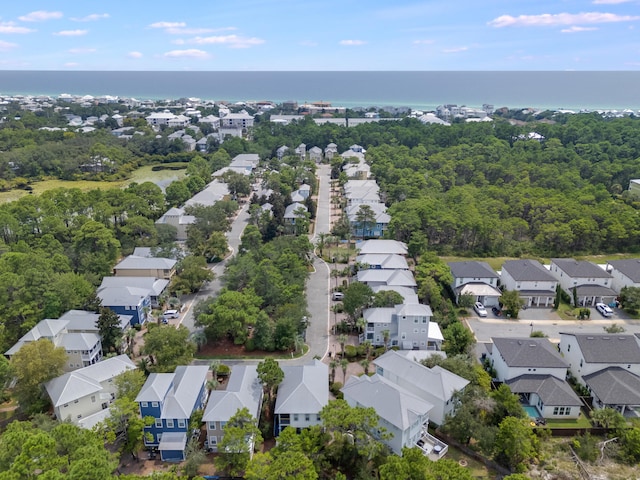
(168, 25)
(550, 20)
(352, 43)
(91, 18)
(609, 2)
(191, 53)
(71, 33)
(10, 27)
(80, 51)
(40, 16)
(233, 41)
(188, 31)
(455, 50)
(423, 42)
(134, 55)
(576, 29)
(6, 46)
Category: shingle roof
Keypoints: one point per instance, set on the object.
(472, 269)
(615, 386)
(630, 268)
(305, 389)
(607, 348)
(551, 390)
(580, 269)
(243, 390)
(528, 352)
(394, 404)
(527, 270)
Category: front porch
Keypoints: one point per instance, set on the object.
(431, 446)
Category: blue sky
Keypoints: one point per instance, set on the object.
(321, 35)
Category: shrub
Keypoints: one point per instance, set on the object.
(250, 345)
(350, 351)
(335, 388)
(224, 370)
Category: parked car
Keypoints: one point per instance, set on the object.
(480, 310)
(168, 314)
(496, 311)
(604, 309)
(337, 296)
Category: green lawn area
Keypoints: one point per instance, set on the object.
(580, 422)
(478, 469)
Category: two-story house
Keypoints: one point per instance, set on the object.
(407, 326)
(435, 385)
(386, 278)
(534, 369)
(170, 399)
(132, 301)
(380, 246)
(382, 262)
(403, 415)
(624, 273)
(476, 279)
(156, 267)
(533, 282)
(303, 393)
(155, 286)
(84, 395)
(375, 226)
(244, 390)
(592, 284)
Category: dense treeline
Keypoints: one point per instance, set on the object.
(485, 189)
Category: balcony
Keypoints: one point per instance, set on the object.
(431, 446)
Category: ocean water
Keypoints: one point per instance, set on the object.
(423, 90)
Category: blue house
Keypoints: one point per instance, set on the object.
(170, 399)
(374, 228)
(127, 300)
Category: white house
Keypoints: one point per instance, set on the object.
(624, 273)
(303, 393)
(616, 388)
(533, 282)
(402, 414)
(237, 120)
(390, 247)
(435, 385)
(512, 357)
(550, 396)
(408, 327)
(476, 279)
(244, 390)
(382, 261)
(592, 283)
(389, 278)
(589, 353)
(84, 396)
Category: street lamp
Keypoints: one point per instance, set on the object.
(531, 325)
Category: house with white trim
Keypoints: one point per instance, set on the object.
(533, 282)
(84, 395)
(617, 388)
(592, 283)
(624, 273)
(477, 279)
(244, 390)
(303, 393)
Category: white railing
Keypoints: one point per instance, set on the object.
(431, 446)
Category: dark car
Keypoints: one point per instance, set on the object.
(496, 311)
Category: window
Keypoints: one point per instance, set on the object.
(158, 423)
(93, 399)
(154, 404)
(212, 425)
(144, 404)
(415, 330)
(295, 417)
(415, 320)
(424, 320)
(170, 423)
(182, 424)
(317, 418)
(213, 441)
(159, 437)
(307, 417)
(222, 425)
(75, 401)
(65, 405)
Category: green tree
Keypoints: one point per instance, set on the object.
(507, 404)
(608, 418)
(515, 444)
(110, 331)
(457, 339)
(387, 298)
(192, 273)
(168, 347)
(414, 465)
(511, 302)
(35, 363)
(240, 436)
(630, 299)
(177, 193)
(95, 249)
(194, 457)
(365, 218)
(356, 297)
(291, 464)
(239, 184)
(271, 375)
(230, 313)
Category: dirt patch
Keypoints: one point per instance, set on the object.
(227, 349)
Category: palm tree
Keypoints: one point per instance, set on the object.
(130, 337)
(333, 364)
(385, 337)
(365, 364)
(361, 324)
(214, 366)
(212, 384)
(342, 339)
(367, 348)
(200, 339)
(365, 216)
(344, 364)
(322, 241)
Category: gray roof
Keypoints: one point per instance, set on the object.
(144, 263)
(607, 348)
(304, 389)
(527, 270)
(178, 391)
(472, 269)
(413, 310)
(80, 321)
(384, 260)
(173, 441)
(403, 278)
(594, 290)
(528, 352)
(629, 268)
(77, 342)
(122, 296)
(437, 381)
(244, 389)
(551, 390)
(615, 386)
(86, 381)
(580, 268)
(290, 211)
(408, 294)
(394, 404)
(155, 286)
(382, 246)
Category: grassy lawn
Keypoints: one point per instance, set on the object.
(478, 469)
(580, 422)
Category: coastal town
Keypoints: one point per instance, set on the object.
(259, 308)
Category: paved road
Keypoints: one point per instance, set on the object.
(212, 288)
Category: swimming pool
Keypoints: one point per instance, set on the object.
(531, 411)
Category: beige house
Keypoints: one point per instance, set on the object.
(133, 266)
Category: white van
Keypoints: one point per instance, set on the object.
(168, 314)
